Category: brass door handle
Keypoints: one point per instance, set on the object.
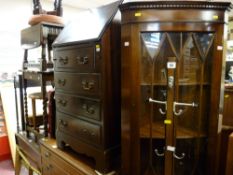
(159, 102)
(173, 150)
(178, 157)
(158, 153)
(182, 104)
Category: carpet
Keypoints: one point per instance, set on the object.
(6, 168)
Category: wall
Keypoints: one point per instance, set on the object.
(5, 149)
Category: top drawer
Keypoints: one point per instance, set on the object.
(76, 59)
(54, 164)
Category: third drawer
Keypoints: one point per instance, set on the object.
(79, 106)
(75, 127)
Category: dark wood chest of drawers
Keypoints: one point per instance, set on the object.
(87, 82)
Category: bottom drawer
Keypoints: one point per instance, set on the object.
(78, 128)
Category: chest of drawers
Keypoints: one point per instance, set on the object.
(87, 83)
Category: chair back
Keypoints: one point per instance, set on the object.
(37, 8)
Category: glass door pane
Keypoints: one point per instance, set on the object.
(153, 85)
(190, 103)
(156, 51)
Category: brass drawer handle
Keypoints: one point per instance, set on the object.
(47, 168)
(93, 134)
(63, 60)
(82, 60)
(88, 133)
(47, 154)
(87, 85)
(62, 102)
(61, 82)
(84, 130)
(88, 109)
(63, 123)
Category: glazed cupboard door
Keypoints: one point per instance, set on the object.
(192, 102)
(174, 88)
(153, 84)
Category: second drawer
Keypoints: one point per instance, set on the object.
(81, 83)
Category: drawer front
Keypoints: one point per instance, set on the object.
(46, 169)
(55, 165)
(64, 168)
(78, 59)
(79, 106)
(46, 166)
(87, 84)
(79, 128)
(46, 154)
